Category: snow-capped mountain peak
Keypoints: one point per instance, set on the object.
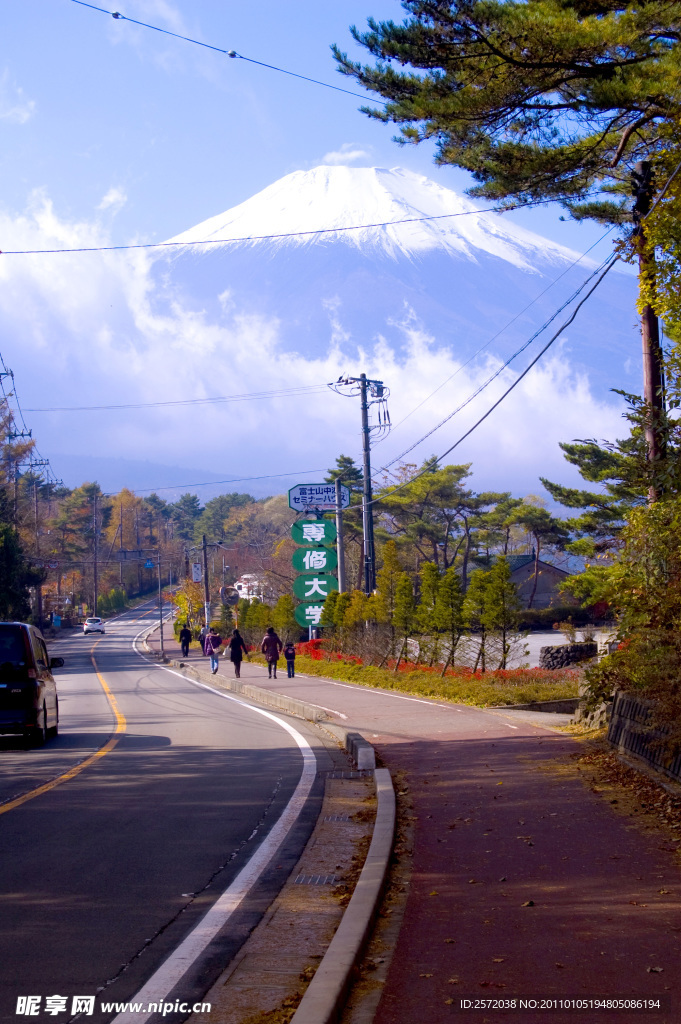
(351, 205)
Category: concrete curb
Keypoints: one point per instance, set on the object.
(566, 706)
(325, 996)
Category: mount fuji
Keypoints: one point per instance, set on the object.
(328, 271)
(312, 250)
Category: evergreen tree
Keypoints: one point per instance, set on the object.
(387, 580)
(327, 619)
(449, 613)
(544, 529)
(284, 618)
(185, 513)
(404, 614)
(426, 617)
(17, 576)
(475, 614)
(502, 607)
(211, 520)
(543, 99)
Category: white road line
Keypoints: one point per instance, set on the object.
(173, 969)
(381, 693)
(511, 726)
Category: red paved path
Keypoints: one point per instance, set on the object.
(494, 831)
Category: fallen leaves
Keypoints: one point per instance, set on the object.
(654, 970)
(527, 903)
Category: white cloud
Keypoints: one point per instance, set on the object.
(110, 328)
(15, 107)
(349, 153)
(115, 199)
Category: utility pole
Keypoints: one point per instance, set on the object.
(39, 588)
(367, 509)
(206, 588)
(94, 529)
(371, 392)
(160, 600)
(120, 527)
(653, 376)
(340, 541)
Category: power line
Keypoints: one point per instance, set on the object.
(234, 480)
(281, 393)
(502, 367)
(497, 335)
(433, 463)
(227, 53)
(272, 237)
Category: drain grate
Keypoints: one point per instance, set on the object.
(362, 774)
(315, 880)
(337, 817)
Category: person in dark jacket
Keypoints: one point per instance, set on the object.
(185, 639)
(211, 648)
(271, 647)
(237, 648)
(290, 655)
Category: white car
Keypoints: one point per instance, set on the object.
(93, 625)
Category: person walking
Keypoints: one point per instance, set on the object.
(185, 639)
(271, 647)
(237, 648)
(203, 632)
(290, 655)
(211, 649)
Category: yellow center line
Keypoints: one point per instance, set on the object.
(78, 768)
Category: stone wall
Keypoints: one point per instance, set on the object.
(631, 730)
(566, 655)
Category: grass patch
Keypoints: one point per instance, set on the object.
(515, 686)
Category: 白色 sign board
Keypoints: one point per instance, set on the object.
(313, 496)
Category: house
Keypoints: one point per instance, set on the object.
(547, 594)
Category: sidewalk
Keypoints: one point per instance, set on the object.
(525, 882)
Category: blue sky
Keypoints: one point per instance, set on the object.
(112, 133)
(152, 135)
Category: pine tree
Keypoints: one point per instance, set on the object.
(475, 614)
(449, 613)
(544, 99)
(16, 575)
(544, 529)
(387, 580)
(426, 611)
(404, 613)
(284, 618)
(502, 606)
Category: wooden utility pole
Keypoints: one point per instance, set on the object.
(653, 372)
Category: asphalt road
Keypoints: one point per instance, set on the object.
(525, 881)
(107, 871)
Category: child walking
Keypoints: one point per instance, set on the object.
(290, 655)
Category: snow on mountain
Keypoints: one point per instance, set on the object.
(291, 211)
(431, 307)
(456, 281)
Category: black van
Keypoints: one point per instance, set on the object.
(28, 693)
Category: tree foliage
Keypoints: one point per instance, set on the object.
(543, 99)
